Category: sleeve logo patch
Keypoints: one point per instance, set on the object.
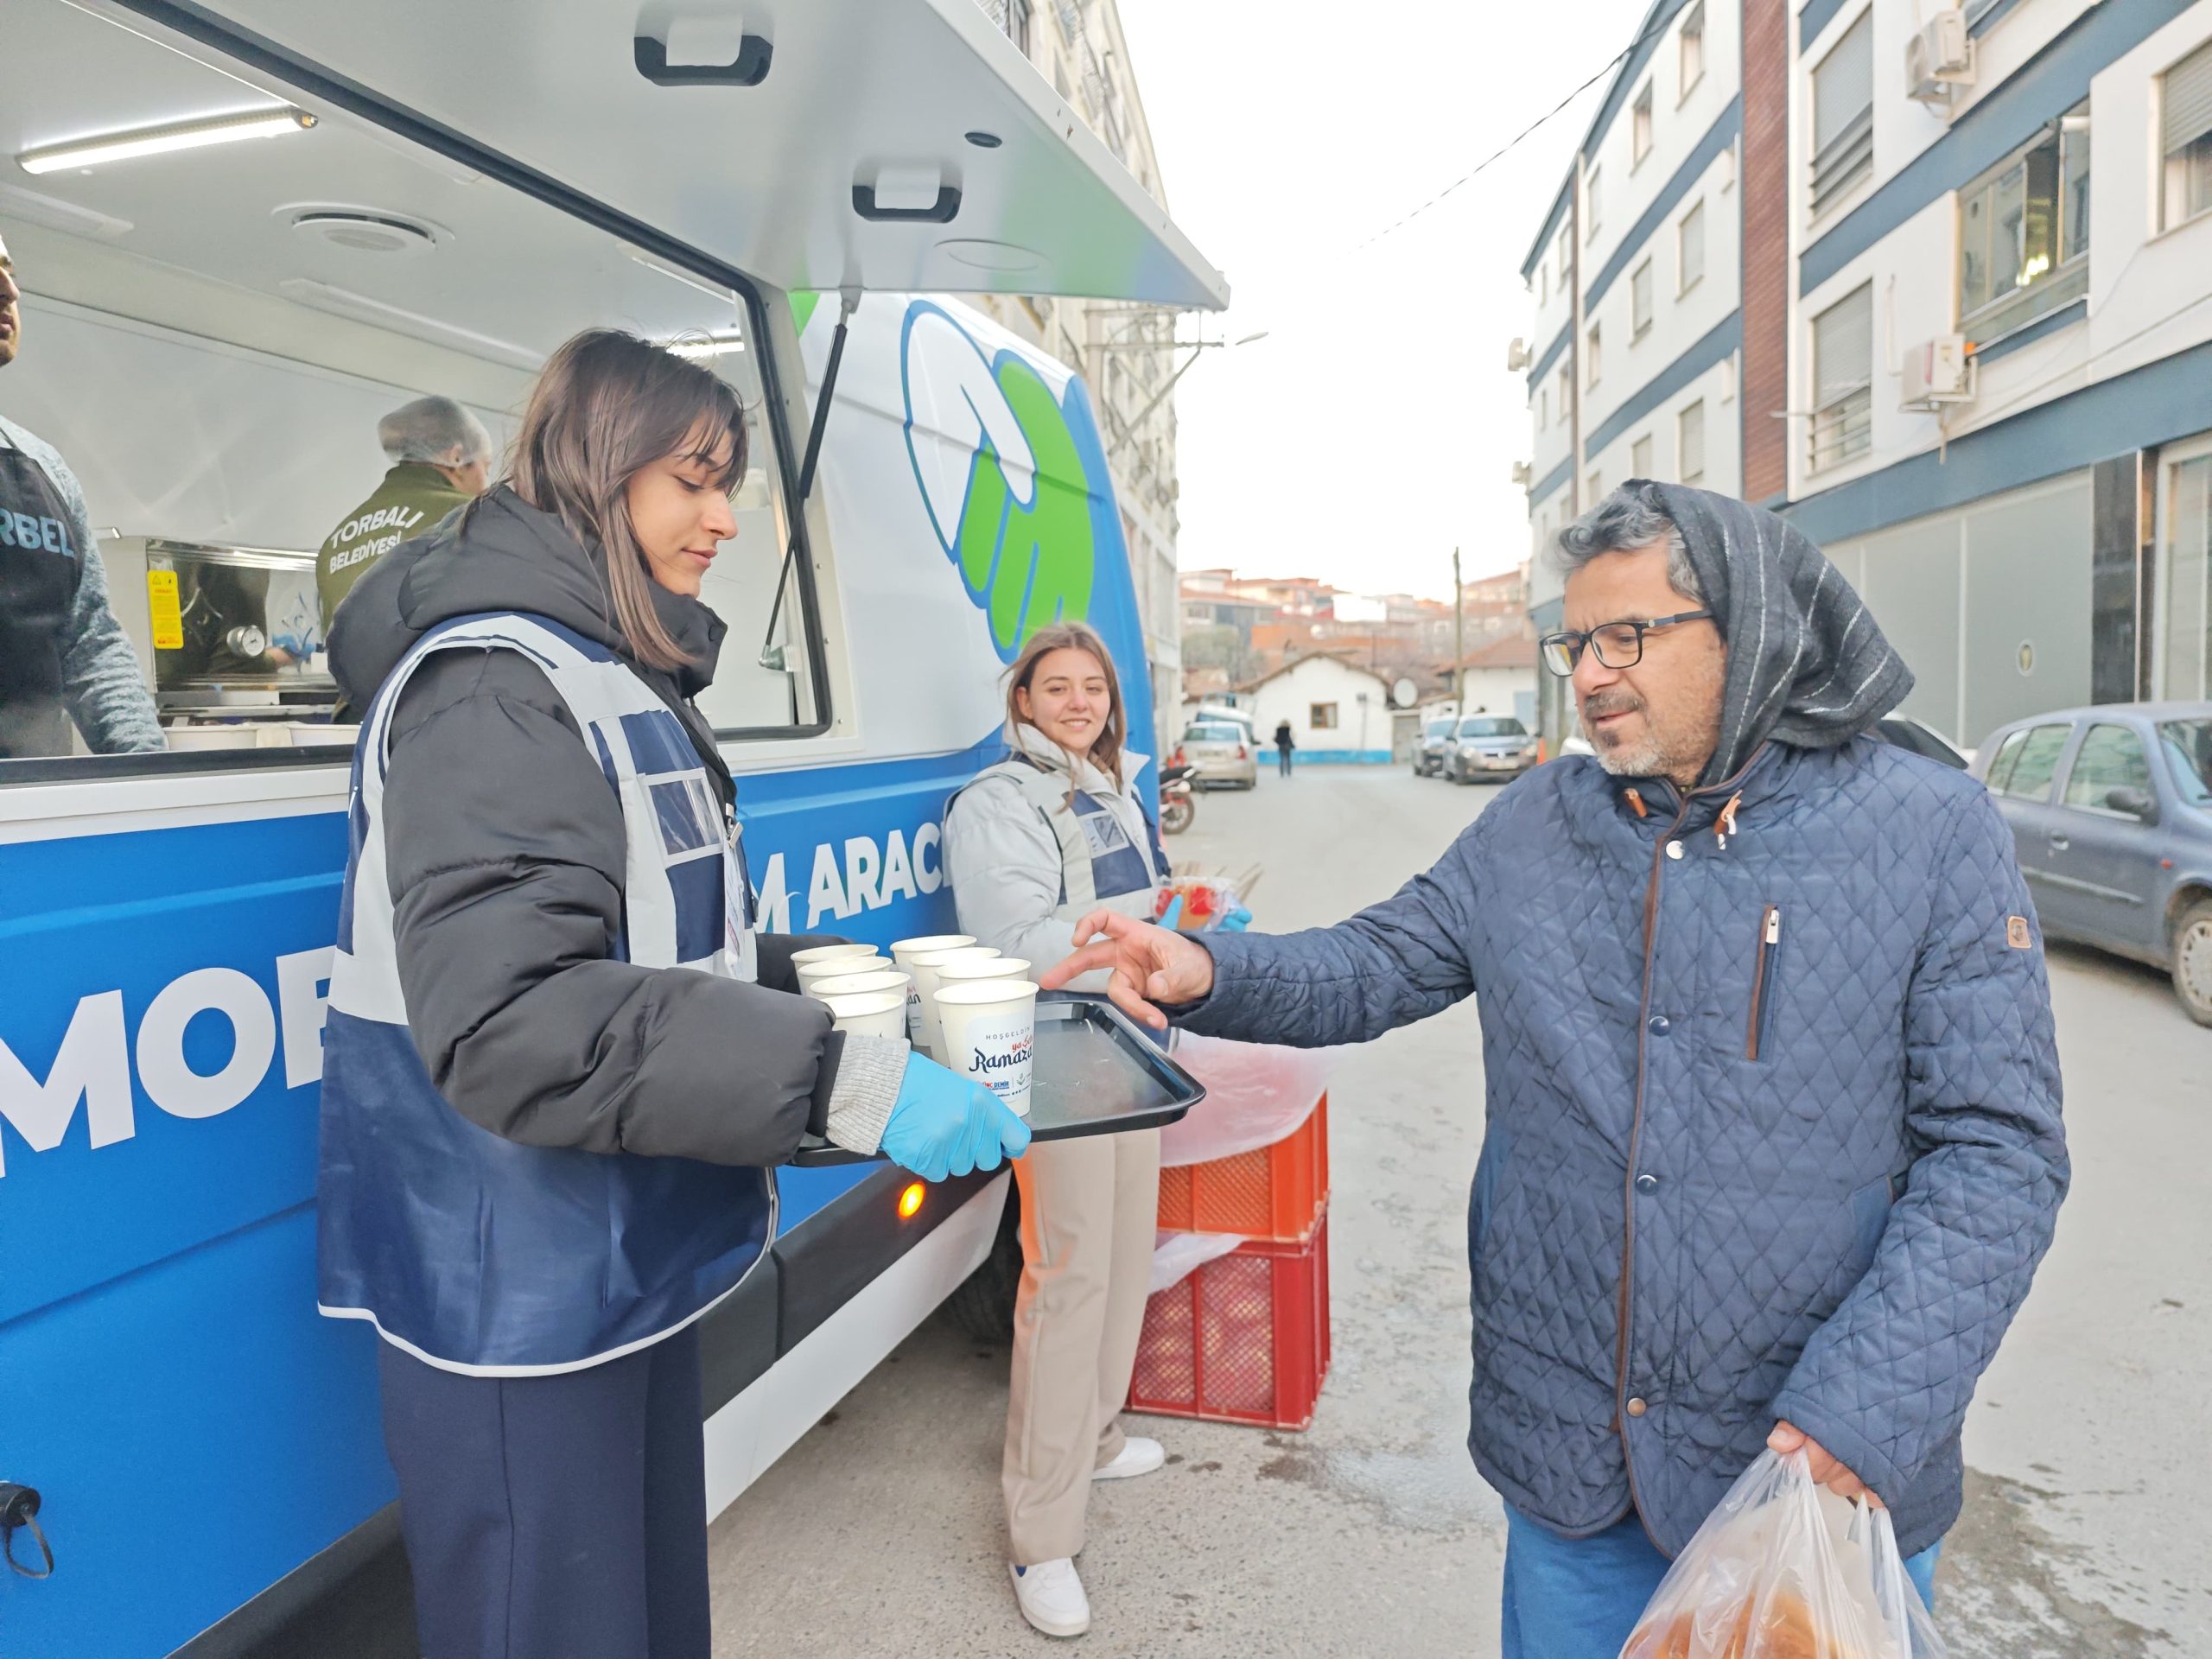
(2015, 933)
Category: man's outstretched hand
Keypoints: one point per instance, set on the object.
(1150, 965)
(1828, 1470)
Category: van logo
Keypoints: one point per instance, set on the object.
(1011, 475)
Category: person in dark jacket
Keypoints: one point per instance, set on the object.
(1773, 1142)
(559, 1064)
(1285, 744)
(441, 458)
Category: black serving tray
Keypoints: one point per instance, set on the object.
(1095, 1073)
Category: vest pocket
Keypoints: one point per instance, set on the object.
(1769, 948)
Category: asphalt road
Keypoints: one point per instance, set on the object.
(2085, 1535)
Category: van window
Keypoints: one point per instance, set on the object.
(1492, 726)
(227, 377)
(2036, 764)
(2110, 757)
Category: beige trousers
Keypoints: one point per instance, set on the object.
(1089, 1209)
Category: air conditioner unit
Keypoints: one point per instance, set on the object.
(1523, 474)
(1518, 356)
(1939, 58)
(1938, 371)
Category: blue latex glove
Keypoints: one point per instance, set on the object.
(1236, 921)
(943, 1124)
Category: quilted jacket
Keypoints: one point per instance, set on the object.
(1773, 1119)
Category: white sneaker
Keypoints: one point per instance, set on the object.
(1138, 1457)
(1052, 1597)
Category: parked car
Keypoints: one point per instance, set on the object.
(1920, 738)
(1488, 746)
(1220, 752)
(1428, 747)
(2110, 810)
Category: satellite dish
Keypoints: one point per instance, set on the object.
(1405, 693)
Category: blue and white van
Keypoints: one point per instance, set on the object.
(447, 188)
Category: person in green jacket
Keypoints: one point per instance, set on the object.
(442, 459)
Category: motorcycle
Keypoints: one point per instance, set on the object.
(1179, 802)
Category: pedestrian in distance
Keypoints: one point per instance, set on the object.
(559, 1063)
(1285, 744)
(1773, 1143)
(1052, 833)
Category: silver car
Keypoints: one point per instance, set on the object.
(1220, 752)
(1496, 747)
(2110, 810)
(1428, 748)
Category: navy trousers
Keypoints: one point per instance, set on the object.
(554, 1516)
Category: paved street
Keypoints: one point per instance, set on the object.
(881, 1533)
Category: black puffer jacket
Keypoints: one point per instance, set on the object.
(505, 852)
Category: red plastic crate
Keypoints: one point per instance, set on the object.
(1274, 1192)
(1244, 1339)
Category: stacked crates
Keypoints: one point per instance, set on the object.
(1245, 1338)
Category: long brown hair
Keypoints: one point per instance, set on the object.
(1106, 751)
(607, 405)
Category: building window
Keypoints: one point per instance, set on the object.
(1321, 716)
(1596, 487)
(1690, 440)
(1544, 283)
(2024, 232)
(1639, 298)
(1843, 115)
(1012, 16)
(1590, 189)
(1544, 408)
(1689, 247)
(1594, 354)
(2185, 137)
(1843, 379)
(1566, 260)
(1639, 142)
(1566, 392)
(1639, 457)
(1693, 45)
(2185, 654)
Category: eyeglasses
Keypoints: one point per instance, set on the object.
(1618, 644)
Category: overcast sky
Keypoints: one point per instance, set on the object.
(1376, 425)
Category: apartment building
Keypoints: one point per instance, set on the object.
(1124, 353)
(1972, 335)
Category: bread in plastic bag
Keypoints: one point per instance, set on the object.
(1785, 1569)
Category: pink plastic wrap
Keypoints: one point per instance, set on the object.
(1784, 1569)
(1256, 1094)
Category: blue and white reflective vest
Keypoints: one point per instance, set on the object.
(474, 1252)
(1102, 864)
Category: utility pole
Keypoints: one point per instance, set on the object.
(1458, 638)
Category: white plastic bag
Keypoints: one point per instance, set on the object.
(1256, 1094)
(1785, 1569)
(1176, 1256)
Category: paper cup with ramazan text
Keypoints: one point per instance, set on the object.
(871, 1014)
(969, 968)
(824, 952)
(990, 1031)
(921, 1009)
(885, 979)
(810, 974)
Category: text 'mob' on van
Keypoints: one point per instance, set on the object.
(211, 332)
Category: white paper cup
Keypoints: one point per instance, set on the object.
(824, 952)
(904, 951)
(883, 979)
(872, 1013)
(967, 967)
(990, 1029)
(921, 1016)
(813, 973)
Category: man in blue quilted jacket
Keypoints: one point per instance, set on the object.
(1773, 1142)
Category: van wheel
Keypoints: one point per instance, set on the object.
(983, 1306)
(2193, 961)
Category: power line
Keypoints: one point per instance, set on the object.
(1518, 138)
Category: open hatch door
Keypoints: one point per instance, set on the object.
(898, 145)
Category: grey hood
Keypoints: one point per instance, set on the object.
(500, 554)
(1807, 663)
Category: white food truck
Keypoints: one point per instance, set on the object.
(245, 231)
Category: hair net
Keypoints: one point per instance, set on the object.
(434, 429)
